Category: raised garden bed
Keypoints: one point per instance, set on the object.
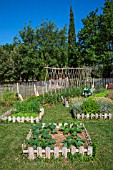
(92, 108)
(44, 140)
(22, 119)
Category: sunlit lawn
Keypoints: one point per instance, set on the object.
(12, 136)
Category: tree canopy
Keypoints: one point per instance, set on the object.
(46, 45)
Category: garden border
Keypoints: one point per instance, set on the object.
(23, 119)
(47, 152)
(92, 116)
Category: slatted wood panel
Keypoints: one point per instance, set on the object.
(46, 153)
(92, 116)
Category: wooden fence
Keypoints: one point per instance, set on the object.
(23, 119)
(93, 116)
(47, 152)
(27, 89)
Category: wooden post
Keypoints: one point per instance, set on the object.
(37, 119)
(17, 86)
(101, 116)
(23, 119)
(96, 115)
(35, 91)
(56, 152)
(14, 119)
(47, 152)
(73, 150)
(9, 118)
(105, 116)
(66, 103)
(32, 119)
(90, 150)
(92, 115)
(87, 116)
(82, 115)
(64, 151)
(18, 119)
(78, 116)
(20, 96)
(110, 115)
(81, 150)
(31, 153)
(39, 151)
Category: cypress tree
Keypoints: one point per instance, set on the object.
(71, 41)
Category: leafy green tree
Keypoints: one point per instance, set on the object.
(6, 66)
(107, 36)
(72, 55)
(26, 54)
(88, 39)
(37, 48)
(52, 44)
(96, 39)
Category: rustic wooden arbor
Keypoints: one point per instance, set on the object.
(67, 73)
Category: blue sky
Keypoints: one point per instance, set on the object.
(15, 13)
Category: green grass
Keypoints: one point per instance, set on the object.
(57, 114)
(13, 135)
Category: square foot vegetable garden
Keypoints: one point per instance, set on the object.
(50, 139)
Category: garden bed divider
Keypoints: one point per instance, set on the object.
(47, 152)
(23, 119)
(91, 116)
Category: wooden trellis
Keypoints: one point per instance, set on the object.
(66, 72)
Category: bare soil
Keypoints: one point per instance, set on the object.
(60, 136)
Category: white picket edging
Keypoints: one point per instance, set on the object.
(92, 116)
(46, 153)
(23, 119)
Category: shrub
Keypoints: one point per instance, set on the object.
(9, 98)
(101, 94)
(105, 104)
(30, 105)
(90, 106)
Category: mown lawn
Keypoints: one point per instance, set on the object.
(13, 135)
(57, 114)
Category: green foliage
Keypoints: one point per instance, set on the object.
(31, 105)
(48, 46)
(54, 97)
(99, 88)
(21, 114)
(9, 98)
(105, 107)
(103, 93)
(41, 136)
(72, 131)
(95, 40)
(90, 106)
(6, 65)
(72, 54)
